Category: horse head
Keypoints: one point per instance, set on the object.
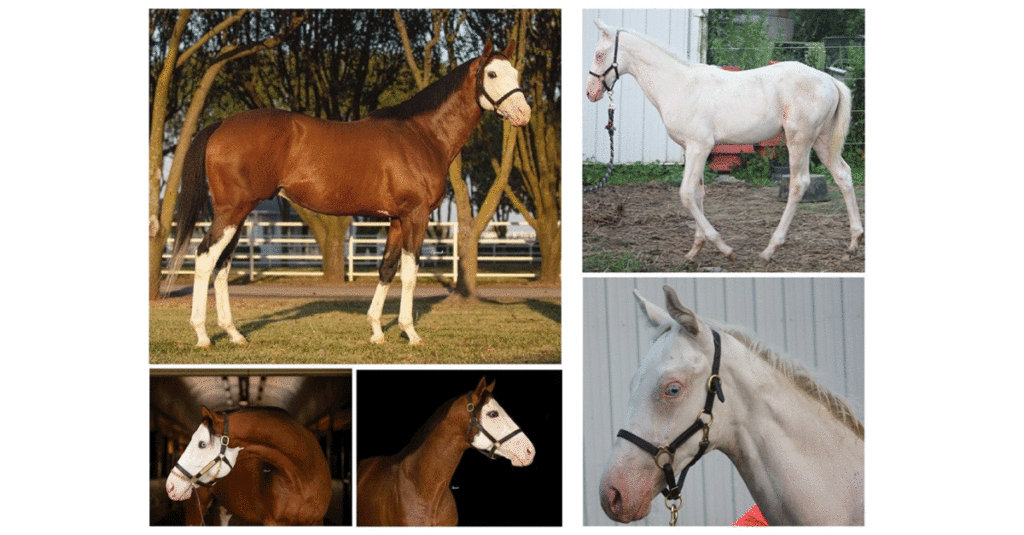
(207, 459)
(498, 85)
(667, 391)
(606, 63)
(492, 432)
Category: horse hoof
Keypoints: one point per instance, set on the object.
(731, 256)
(416, 343)
(203, 344)
(766, 256)
(240, 341)
(378, 340)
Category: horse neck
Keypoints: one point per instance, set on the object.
(451, 123)
(279, 444)
(801, 464)
(655, 70)
(432, 465)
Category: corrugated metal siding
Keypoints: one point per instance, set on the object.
(816, 321)
(640, 135)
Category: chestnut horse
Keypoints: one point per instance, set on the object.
(392, 164)
(263, 467)
(411, 488)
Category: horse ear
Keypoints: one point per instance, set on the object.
(488, 47)
(605, 29)
(490, 387)
(481, 386)
(655, 315)
(686, 318)
(510, 48)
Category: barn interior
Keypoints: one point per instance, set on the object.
(320, 399)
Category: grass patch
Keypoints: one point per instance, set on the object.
(755, 170)
(313, 331)
(613, 262)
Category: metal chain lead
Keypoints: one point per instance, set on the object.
(611, 146)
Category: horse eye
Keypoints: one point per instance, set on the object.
(202, 444)
(673, 390)
(492, 414)
(492, 74)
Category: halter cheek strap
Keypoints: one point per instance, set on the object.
(667, 453)
(220, 458)
(613, 67)
(474, 423)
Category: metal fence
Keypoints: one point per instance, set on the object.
(288, 249)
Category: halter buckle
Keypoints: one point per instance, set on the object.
(663, 450)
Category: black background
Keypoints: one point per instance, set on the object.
(392, 405)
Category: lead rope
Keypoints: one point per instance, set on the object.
(610, 127)
(199, 507)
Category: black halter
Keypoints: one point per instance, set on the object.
(474, 423)
(613, 67)
(714, 387)
(480, 88)
(220, 458)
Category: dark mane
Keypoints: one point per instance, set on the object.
(429, 98)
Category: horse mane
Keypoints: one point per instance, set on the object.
(802, 379)
(657, 44)
(424, 431)
(429, 98)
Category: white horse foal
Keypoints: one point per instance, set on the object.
(702, 105)
(798, 448)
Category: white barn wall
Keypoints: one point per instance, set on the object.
(816, 321)
(639, 133)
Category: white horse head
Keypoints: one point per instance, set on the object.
(206, 460)
(500, 91)
(605, 70)
(494, 433)
(668, 391)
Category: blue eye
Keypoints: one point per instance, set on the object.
(673, 390)
(202, 444)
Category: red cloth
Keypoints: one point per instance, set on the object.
(752, 518)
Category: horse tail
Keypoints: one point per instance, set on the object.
(194, 197)
(842, 118)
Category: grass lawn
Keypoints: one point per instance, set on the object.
(317, 331)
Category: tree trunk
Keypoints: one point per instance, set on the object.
(329, 232)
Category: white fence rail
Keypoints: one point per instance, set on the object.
(288, 249)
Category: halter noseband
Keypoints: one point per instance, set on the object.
(714, 387)
(220, 458)
(480, 87)
(474, 422)
(613, 67)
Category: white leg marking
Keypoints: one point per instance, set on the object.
(204, 268)
(376, 309)
(220, 291)
(409, 271)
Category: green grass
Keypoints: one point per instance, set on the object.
(672, 173)
(313, 331)
(613, 262)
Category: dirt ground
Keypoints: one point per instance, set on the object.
(648, 223)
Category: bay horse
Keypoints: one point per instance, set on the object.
(702, 105)
(392, 164)
(411, 488)
(798, 447)
(263, 467)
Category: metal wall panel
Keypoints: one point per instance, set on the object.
(816, 321)
(640, 134)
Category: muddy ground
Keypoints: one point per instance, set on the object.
(647, 223)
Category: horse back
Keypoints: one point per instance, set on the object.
(374, 167)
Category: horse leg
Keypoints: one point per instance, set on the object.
(691, 193)
(831, 155)
(414, 229)
(799, 180)
(388, 268)
(220, 291)
(210, 250)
